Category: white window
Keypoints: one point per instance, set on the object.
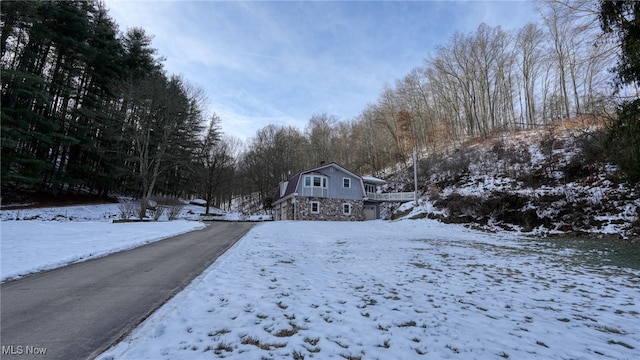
(315, 181)
(346, 182)
(315, 207)
(346, 209)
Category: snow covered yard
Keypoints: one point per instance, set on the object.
(32, 246)
(395, 290)
(33, 240)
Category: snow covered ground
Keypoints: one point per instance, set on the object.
(404, 289)
(31, 246)
(396, 290)
(38, 239)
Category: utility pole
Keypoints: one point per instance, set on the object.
(415, 175)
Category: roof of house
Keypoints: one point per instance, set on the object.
(373, 180)
(293, 181)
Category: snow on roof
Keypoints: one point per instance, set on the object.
(373, 180)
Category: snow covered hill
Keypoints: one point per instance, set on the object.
(555, 180)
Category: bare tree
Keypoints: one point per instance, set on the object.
(320, 132)
(529, 42)
(273, 155)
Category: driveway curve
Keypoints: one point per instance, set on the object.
(78, 311)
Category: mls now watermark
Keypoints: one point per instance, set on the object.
(23, 350)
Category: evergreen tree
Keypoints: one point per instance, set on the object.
(621, 18)
(26, 45)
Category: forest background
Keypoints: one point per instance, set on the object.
(88, 108)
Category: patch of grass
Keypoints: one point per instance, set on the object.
(564, 319)
(222, 346)
(313, 350)
(262, 316)
(351, 357)
(610, 330)
(408, 324)
(250, 340)
(219, 332)
(282, 306)
(504, 355)
(297, 355)
(541, 344)
(386, 344)
(312, 342)
(370, 302)
(612, 342)
(344, 346)
(288, 332)
(453, 348)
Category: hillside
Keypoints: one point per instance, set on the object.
(548, 182)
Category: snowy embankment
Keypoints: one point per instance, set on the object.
(395, 290)
(554, 181)
(33, 240)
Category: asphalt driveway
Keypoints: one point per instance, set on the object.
(78, 311)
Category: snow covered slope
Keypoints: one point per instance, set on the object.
(556, 180)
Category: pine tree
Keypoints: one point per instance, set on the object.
(621, 18)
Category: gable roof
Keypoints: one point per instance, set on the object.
(293, 181)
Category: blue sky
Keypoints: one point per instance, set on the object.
(281, 62)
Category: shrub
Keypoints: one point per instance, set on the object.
(157, 212)
(459, 205)
(172, 204)
(142, 208)
(127, 209)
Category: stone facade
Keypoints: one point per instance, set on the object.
(329, 209)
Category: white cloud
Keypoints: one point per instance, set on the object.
(281, 62)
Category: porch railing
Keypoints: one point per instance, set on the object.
(399, 196)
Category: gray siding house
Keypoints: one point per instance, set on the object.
(327, 192)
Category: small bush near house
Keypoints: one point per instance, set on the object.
(127, 209)
(173, 206)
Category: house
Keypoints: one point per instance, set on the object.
(331, 192)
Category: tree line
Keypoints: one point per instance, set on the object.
(474, 85)
(85, 106)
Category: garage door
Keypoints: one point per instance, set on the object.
(370, 212)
